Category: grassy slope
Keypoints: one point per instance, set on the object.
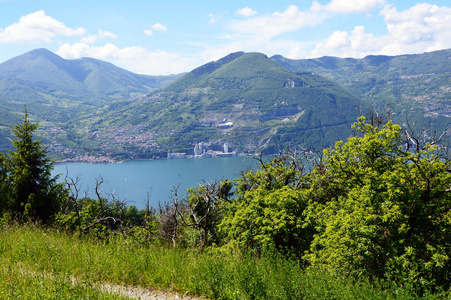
(214, 274)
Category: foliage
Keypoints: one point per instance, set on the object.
(268, 211)
(5, 199)
(381, 205)
(193, 219)
(103, 216)
(34, 193)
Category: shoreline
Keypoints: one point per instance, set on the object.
(107, 160)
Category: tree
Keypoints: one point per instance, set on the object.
(381, 204)
(35, 194)
(5, 200)
(268, 211)
(206, 206)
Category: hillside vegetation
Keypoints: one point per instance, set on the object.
(44, 263)
(415, 85)
(244, 99)
(56, 90)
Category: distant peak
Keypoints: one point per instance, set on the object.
(41, 52)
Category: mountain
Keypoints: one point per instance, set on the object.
(41, 75)
(417, 85)
(245, 99)
(252, 102)
(44, 81)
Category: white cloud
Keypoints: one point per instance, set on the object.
(135, 59)
(356, 43)
(159, 27)
(261, 33)
(246, 12)
(269, 26)
(348, 6)
(101, 34)
(156, 27)
(421, 28)
(36, 27)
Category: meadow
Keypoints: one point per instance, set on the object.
(43, 263)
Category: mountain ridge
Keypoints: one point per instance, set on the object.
(78, 79)
(416, 87)
(249, 100)
(44, 81)
(245, 99)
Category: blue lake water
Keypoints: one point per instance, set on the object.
(133, 180)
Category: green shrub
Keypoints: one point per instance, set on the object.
(382, 207)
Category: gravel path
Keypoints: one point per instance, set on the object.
(131, 292)
(143, 294)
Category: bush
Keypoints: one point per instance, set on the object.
(268, 212)
(382, 207)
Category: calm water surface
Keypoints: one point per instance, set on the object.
(131, 181)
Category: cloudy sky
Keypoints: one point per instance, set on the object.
(169, 37)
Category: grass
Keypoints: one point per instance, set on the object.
(38, 263)
(17, 283)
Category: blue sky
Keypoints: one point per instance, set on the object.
(168, 37)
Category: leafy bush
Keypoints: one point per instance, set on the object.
(268, 210)
(382, 206)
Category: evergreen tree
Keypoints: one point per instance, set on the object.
(4, 191)
(35, 194)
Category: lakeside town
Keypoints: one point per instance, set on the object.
(201, 150)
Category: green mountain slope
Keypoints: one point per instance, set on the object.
(417, 85)
(85, 106)
(246, 100)
(55, 89)
(42, 75)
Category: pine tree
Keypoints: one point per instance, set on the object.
(35, 194)
(4, 190)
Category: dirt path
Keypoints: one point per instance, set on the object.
(132, 292)
(143, 294)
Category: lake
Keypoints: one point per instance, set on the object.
(133, 180)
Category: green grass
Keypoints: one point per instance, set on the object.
(38, 263)
(18, 283)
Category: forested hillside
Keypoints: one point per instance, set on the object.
(246, 99)
(56, 90)
(415, 86)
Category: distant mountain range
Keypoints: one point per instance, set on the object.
(246, 99)
(56, 89)
(42, 76)
(417, 85)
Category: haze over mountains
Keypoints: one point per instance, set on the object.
(253, 102)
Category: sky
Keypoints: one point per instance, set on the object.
(169, 37)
